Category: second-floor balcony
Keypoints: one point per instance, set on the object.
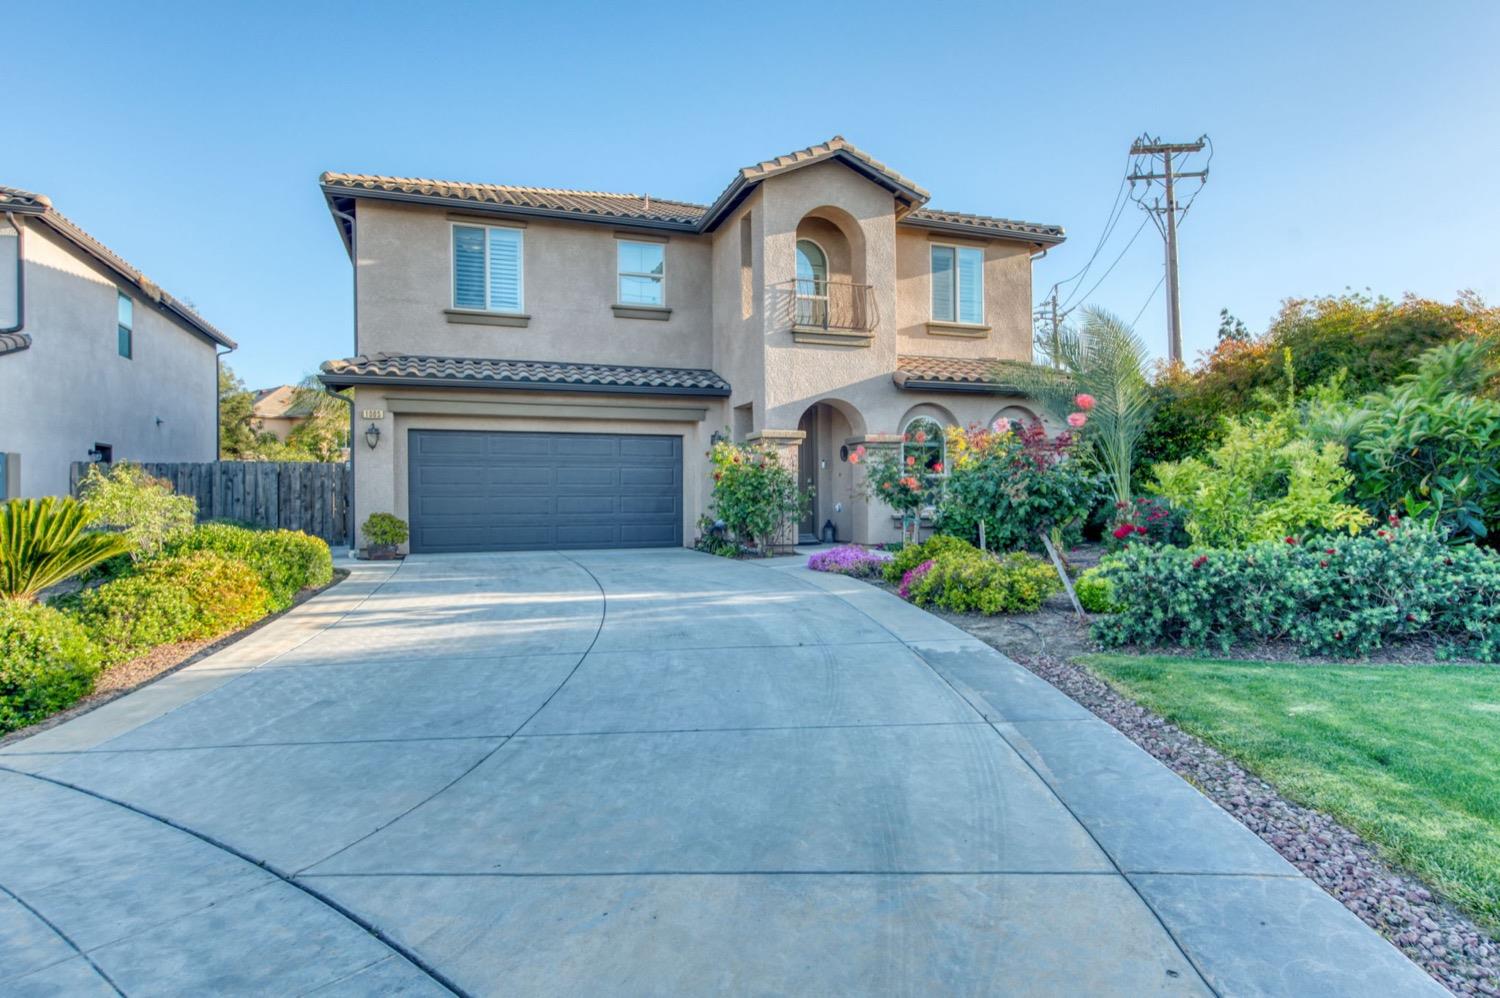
(836, 309)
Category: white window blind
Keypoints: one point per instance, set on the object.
(487, 268)
(970, 285)
(942, 283)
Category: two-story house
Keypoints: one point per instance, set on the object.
(96, 361)
(540, 368)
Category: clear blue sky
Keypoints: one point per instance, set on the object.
(1356, 143)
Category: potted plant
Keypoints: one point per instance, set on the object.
(384, 533)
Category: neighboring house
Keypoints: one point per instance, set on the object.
(96, 361)
(278, 411)
(542, 368)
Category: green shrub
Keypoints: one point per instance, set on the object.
(144, 509)
(1095, 592)
(43, 542)
(975, 582)
(912, 555)
(385, 530)
(1338, 596)
(47, 663)
(287, 561)
(190, 596)
(1264, 481)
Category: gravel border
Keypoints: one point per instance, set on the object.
(1431, 932)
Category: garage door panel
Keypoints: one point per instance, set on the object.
(497, 490)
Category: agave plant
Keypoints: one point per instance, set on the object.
(46, 541)
(1103, 365)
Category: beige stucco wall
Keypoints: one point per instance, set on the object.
(569, 275)
(739, 311)
(71, 389)
(1007, 299)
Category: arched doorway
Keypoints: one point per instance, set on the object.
(823, 468)
(812, 284)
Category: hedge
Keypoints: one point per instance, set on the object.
(47, 663)
(287, 561)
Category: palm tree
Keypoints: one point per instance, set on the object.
(45, 541)
(1105, 361)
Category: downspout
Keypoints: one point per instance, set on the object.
(10, 217)
(219, 402)
(348, 220)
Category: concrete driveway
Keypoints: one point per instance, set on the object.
(650, 772)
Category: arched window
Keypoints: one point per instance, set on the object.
(812, 284)
(922, 440)
(1015, 414)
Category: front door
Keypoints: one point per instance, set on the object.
(807, 470)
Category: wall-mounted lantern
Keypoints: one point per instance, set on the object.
(372, 435)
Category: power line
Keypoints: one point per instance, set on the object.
(1149, 298)
(1075, 305)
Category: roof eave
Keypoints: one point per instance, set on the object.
(987, 232)
(331, 191)
(338, 381)
(967, 387)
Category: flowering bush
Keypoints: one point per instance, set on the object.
(755, 494)
(850, 559)
(975, 582)
(898, 481)
(913, 577)
(1340, 596)
(1146, 520)
(1017, 481)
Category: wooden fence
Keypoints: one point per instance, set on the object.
(291, 495)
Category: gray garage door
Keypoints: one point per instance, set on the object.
(480, 491)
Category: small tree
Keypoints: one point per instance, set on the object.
(755, 494)
(237, 436)
(898, 482)
(144, 509)
(46, 541)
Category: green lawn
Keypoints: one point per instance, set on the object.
(1408, 757)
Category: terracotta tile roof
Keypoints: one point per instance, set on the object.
(644, 209)
(482, 372)
(40, 206)
(281, 402)
(597, 203)
(13, 342)
(930, 218)
(957, 374)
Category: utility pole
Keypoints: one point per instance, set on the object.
(1047, 325)
(1165, 213)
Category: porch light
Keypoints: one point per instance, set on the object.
(372, 435)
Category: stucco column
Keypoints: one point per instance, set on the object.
(787, 446)
(871, 517)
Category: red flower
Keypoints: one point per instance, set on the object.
(920, 436)
(938, 467)
(1291, 540)
(1322, 564)
(1084, 401)
(1123, 531)
(1329, 551)
(1200, 561)
(1141, 530)
(911, 462)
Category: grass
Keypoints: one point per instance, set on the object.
(1407, 757)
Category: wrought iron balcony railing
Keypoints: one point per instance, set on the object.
(827, 305)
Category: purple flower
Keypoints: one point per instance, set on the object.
(911, 578)
(849, 559)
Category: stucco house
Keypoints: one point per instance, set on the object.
(541, 368)
(96, 361)
(278, 411)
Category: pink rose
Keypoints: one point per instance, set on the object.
(1077, 419)
(1084, 401)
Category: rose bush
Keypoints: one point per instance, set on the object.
(755, 495)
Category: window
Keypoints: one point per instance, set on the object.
(958, 284)
(642, 268)
(922, 445)
(812, 284)
(124, 323)
(487, 268)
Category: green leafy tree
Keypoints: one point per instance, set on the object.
(47, 541)
(323, 432)
(144, 509)
(237, 436)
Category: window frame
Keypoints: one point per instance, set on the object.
(940, 439)
(125, 331)
(958, 249)
(660, 279)
(485, 227)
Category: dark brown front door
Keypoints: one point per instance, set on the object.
(807, 465)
